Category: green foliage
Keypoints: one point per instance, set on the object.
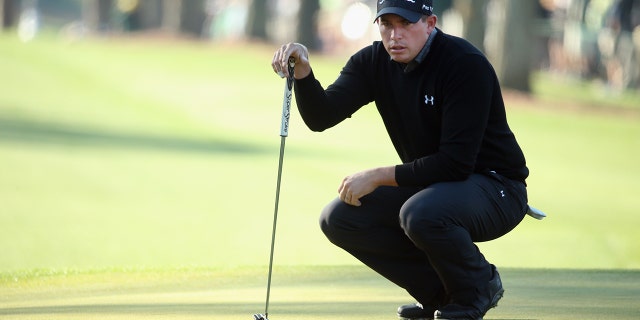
(118, 153)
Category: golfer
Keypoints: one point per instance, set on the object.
(462, 176)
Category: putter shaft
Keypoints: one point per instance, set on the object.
(275, 223)
(284, 132)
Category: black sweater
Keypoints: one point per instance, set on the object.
(446, 118)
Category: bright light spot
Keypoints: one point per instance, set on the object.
(127, 6)
(356, 21)
(28, 25)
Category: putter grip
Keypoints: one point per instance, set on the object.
(286, 104)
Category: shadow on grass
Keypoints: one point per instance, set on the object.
(159, 308)
(24, 131)
(361, 310)
(346, 292)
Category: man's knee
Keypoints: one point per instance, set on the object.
(332, 220)
(423, 222)
(416, 215)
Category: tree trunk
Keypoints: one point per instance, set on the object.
(193, 17)
(9, 13)
(150, 14)
(96, 14)
(257, 21)
(171, 10)
(474, 14)
(512, 43)
(308, 24)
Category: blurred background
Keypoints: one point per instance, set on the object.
(145, 133)
(587, 39)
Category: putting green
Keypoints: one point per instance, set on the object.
(348, 292)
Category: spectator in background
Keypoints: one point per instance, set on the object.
(622, 61)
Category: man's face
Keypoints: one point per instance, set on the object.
(403, 39)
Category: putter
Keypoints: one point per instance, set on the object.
(536, 213)
(284, 132)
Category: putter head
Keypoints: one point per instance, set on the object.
(259, 317)
(535, 213)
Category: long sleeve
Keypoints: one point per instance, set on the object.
(321, 109)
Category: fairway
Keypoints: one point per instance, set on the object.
(304, 293)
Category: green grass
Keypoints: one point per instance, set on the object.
(153, 153)
(594, 95)
(137, 180)
(340, 292)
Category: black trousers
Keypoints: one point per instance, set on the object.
(422, 239)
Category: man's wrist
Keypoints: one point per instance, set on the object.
(386, 176)
(301, 72)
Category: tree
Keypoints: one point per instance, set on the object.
(9, 12)
(257, 21)
(193, 17)
(474, 15)
(96, 14)
(150, 14)
(512, 42)
(308, 24)
(171, 16)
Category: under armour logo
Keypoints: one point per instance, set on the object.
(429, 100)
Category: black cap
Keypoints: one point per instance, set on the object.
(412, 10)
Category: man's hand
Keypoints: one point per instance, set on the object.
(360, 184)
(281, 59)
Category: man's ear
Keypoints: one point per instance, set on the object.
(432, 20)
